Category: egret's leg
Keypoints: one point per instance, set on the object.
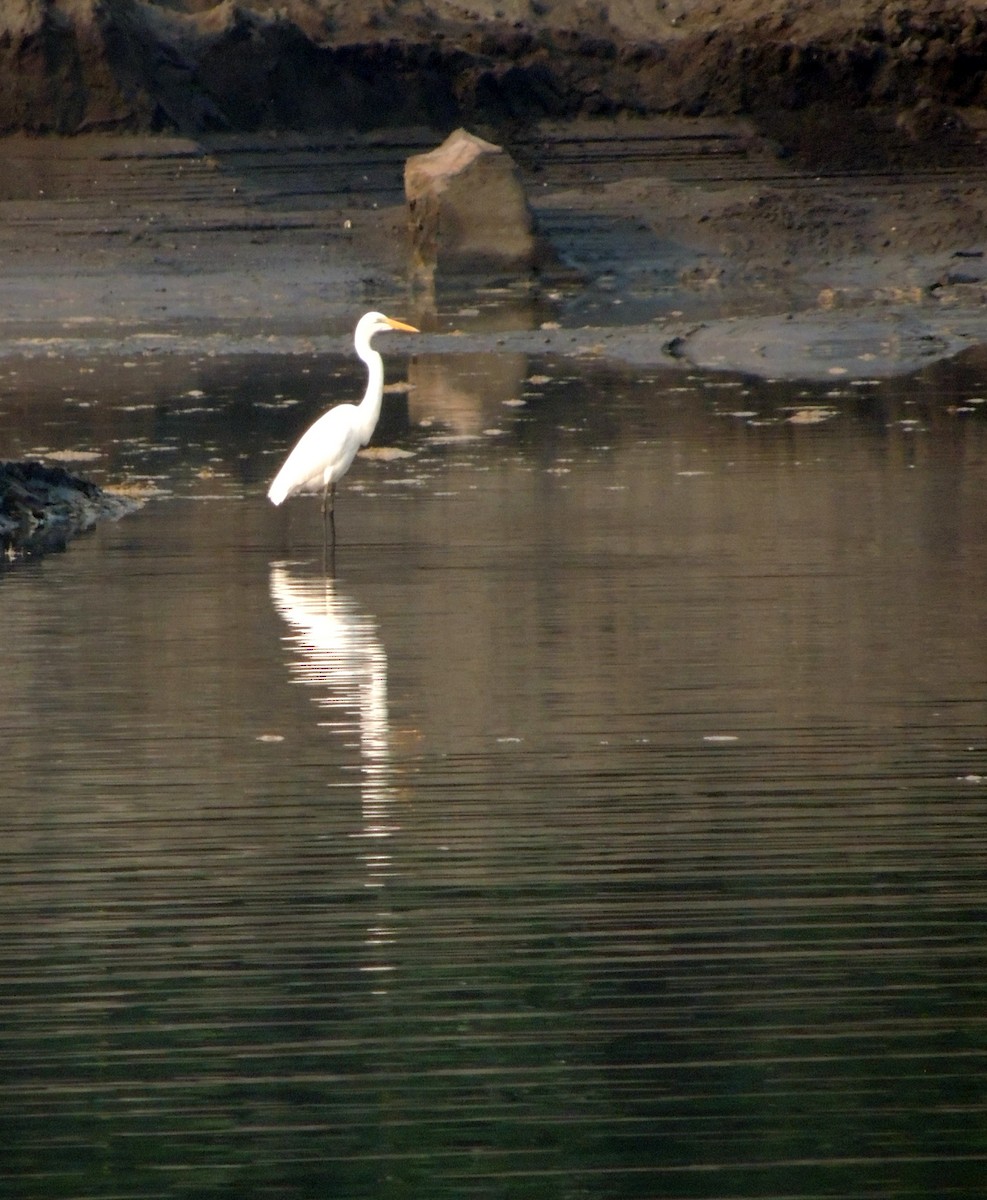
(329, 559)
(329, 512)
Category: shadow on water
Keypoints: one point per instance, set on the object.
(611, 824)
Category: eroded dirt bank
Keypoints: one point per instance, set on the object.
(903, 70)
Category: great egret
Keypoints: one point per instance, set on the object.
(325, 451)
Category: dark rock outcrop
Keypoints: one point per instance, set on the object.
(42, 508)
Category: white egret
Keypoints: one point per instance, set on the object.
(325, 451)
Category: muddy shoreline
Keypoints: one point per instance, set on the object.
(774, 187)
(683, 240)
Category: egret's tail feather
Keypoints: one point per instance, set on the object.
(277, 493)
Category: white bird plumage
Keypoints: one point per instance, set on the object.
(323, 454)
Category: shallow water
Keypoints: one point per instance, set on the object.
(610, 824)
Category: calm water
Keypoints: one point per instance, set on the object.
(611, 824)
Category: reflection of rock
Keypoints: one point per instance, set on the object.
(464, 393)
(468, 214)
(41, 507)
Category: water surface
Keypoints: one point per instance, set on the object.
(606, 820)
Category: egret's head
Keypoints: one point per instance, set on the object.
(375, 322)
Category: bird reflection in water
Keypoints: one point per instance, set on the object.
(338, 651)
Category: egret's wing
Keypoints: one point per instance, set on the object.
(323, 455)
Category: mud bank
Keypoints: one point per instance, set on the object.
(684, 240)
(768, 186)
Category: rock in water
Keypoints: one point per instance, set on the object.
(468, 214)
(41, 508)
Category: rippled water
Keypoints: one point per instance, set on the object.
(610, 824)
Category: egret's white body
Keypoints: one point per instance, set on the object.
(325, 451)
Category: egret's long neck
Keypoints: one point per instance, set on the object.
(369, 408)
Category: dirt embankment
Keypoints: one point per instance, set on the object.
(73, 65)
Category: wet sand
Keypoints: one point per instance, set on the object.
(684, 240)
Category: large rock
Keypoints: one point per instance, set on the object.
(468, 214)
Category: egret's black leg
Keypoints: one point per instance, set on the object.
(329, 559)
(329, 512)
